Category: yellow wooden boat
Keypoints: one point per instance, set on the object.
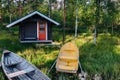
(68, 58)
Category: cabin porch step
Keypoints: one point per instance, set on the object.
(11, 75)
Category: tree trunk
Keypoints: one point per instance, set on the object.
(9, 4)
(76, 24)
(49, 8)
(95, 33)
(19, 8)
(106, 29)
(112, 28)
(97, 19)
(64, 23)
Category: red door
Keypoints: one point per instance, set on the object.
(42, 31)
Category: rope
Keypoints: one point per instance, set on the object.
(52, 66)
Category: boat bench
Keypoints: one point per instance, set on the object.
(13, 64)
(14, 74)
(68, 57)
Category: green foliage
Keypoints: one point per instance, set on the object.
(86, 14)
(11, 42)
(100, 59)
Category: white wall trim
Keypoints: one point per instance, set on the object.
(38, 30)
(46, 31)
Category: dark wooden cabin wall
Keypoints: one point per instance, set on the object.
(28, 30)
(49, 31)
(21, 27)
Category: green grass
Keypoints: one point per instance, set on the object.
(103, 59)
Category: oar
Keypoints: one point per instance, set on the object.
(81, 67)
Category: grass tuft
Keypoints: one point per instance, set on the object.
(103, 59)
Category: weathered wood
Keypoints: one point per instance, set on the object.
(8, 65)
(68, 58)
(17, 68)
(11, 75)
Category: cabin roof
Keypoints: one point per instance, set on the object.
(29, 15)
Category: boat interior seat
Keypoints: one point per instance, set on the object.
(68, 63)
(69, 51)
(21, 72)
(67, 66)
(62, 67)
(13, 64)
(68, 57)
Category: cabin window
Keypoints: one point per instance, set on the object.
(42, 28)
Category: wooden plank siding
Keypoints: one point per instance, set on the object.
(49, 31)
(28, 28)
(28, 31)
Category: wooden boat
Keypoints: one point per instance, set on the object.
(68, 58)
(17, 68)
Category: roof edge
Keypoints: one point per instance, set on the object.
(29, 15)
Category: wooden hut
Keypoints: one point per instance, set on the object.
(35, 27)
